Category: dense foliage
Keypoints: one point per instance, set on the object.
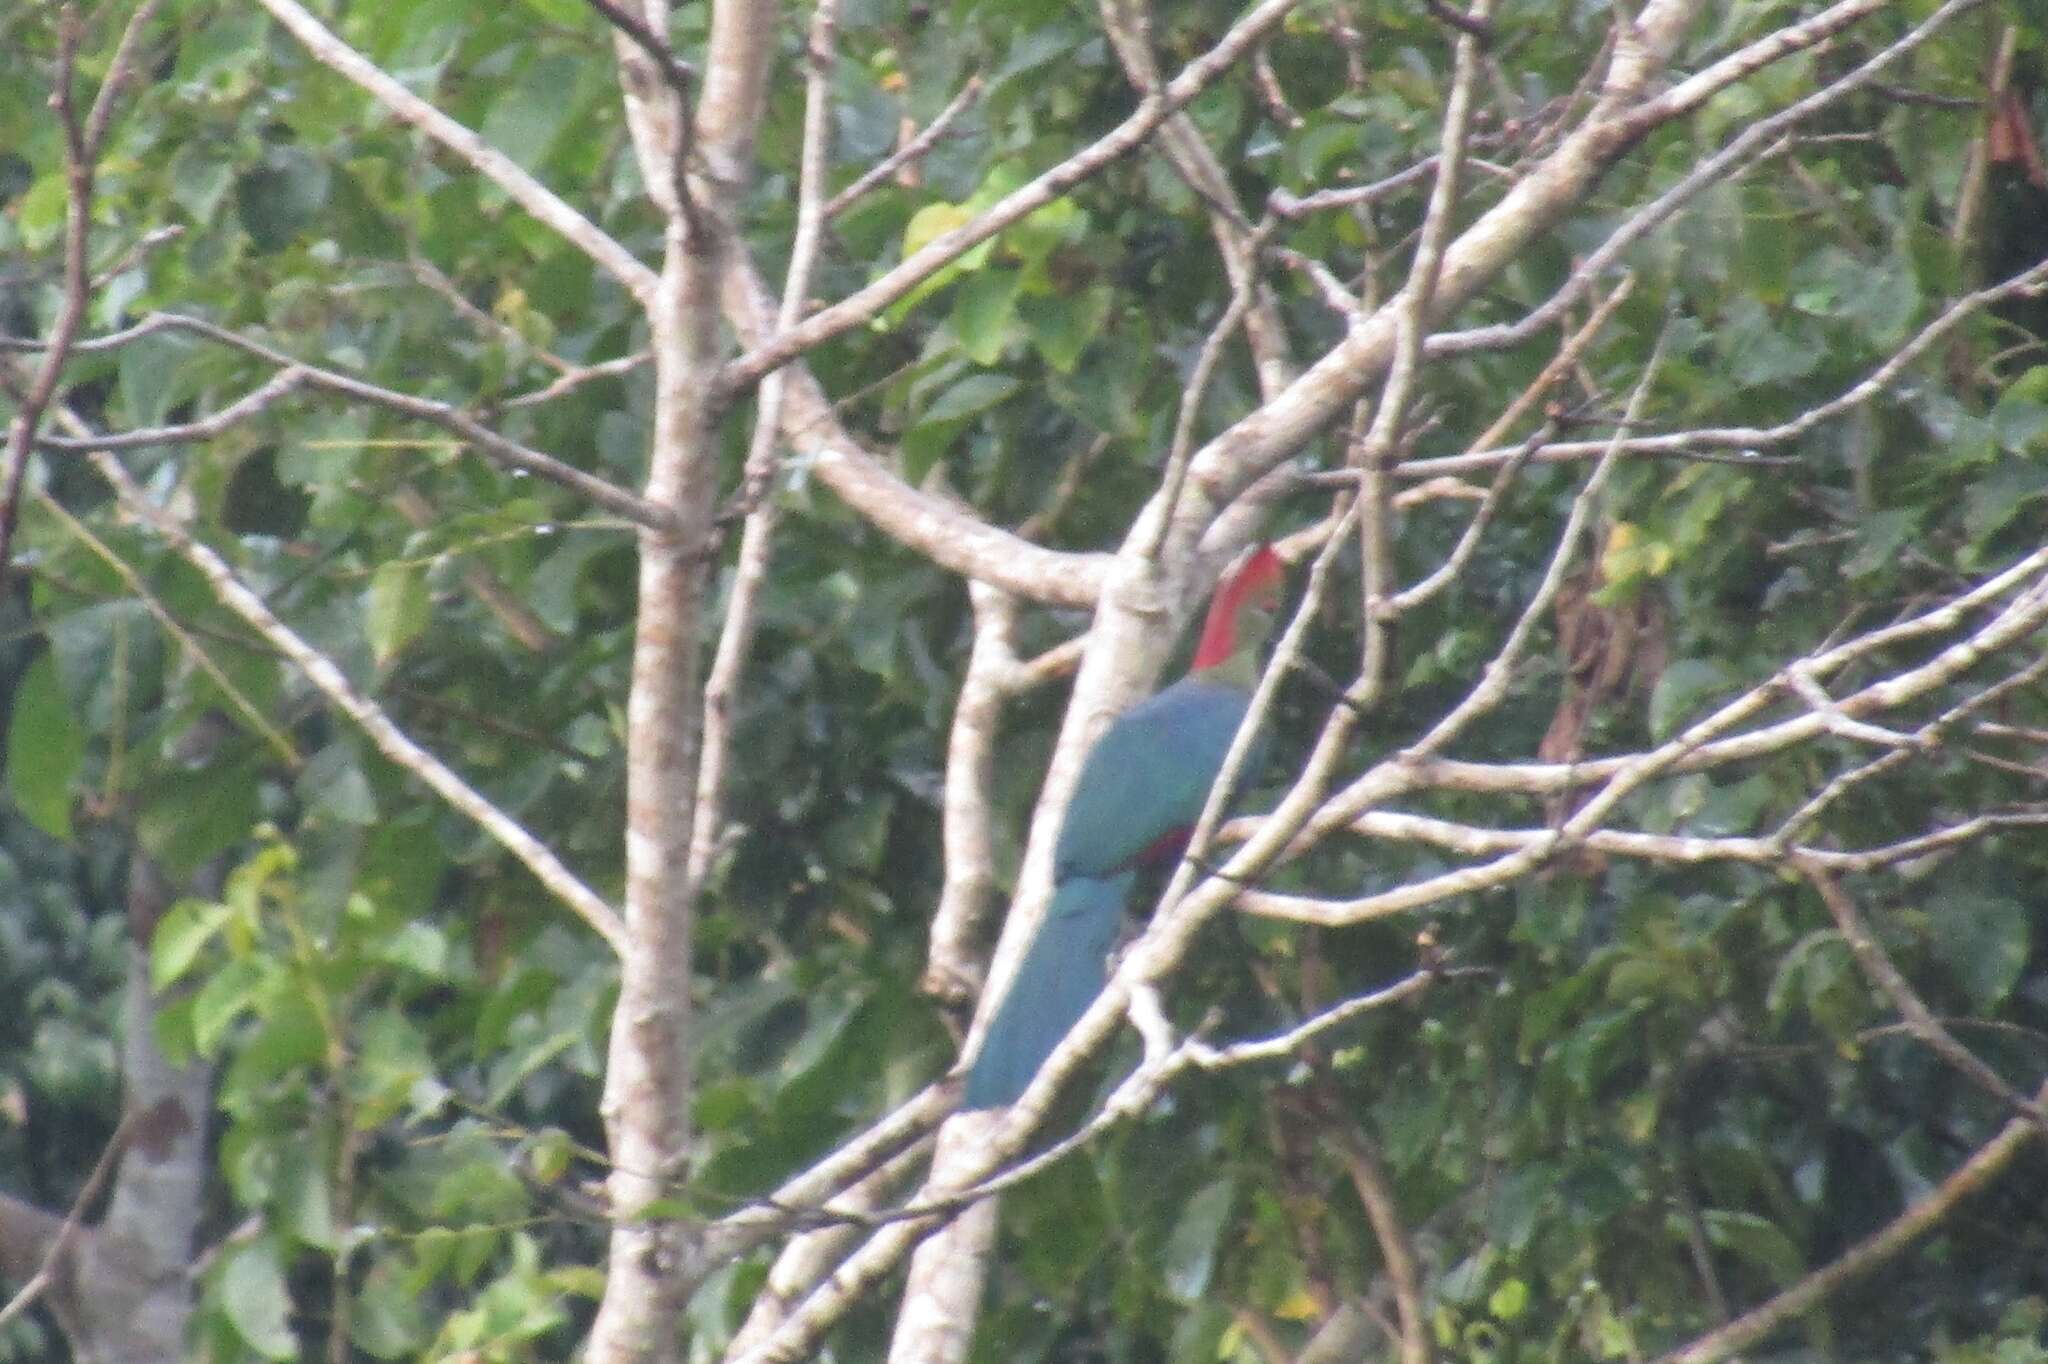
(1643, 1095)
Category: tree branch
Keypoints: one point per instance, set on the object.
(1983, 1167)
(916, 149)
(322, 672)
(936, 527)
(866, 303)
(1877, 965)
(296, 374)
(537, 199)
(82, 144)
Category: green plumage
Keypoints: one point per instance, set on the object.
(1140, 791)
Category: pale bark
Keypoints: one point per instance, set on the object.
(122, 1289)
(651, 1265)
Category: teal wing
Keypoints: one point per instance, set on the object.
(1059, 978)
(1148, 776)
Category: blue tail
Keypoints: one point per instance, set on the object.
(1062, 973)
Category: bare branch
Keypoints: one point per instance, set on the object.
(807, 1258)
(748, 1227)
(1536, 202)
(950, 972)
(1757, 140)
(1680, 849)
(322, 672)
(1983, 1167)
(1689, 94)
(915, 150)
(679, 74)
(448, 417)
(1197, 388)
(249, 405)
(82, 144)
(940, 529)
(1375, 1191)
(577, 377)
(696, 168)
(750, 575)
(1883, 379)
(67, 1233)
(868, 302)
(1878, 966)
(1375, 453)
(1350, 196)
(2021, 618)
(2012, 623)
(537, 199)
(1128, 26)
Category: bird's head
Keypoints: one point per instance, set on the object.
(1242, 613)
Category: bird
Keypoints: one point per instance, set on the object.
(1141, 789)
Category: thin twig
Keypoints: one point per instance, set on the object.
(1984, 1166)
(60, 1244)
(576, 378)
(916, 149)
(868, 302)
(537, 199)
(679, 74)
(1885, 975)
(750, 575)
(294, 374)
(1375, 1191)
(82, 144)
(1197, 388)
(395, 744)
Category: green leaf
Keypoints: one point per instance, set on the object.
(421, 948)
(181, 934)
(1879, 537)
(975, 394)
(525, 120)
(333, 784)
(397, 608)
(1983, 940)
(281, 198)
(481, 1190)
(1509, 1301)
(153, 376)
(982, 313)
(387, 1321)
(1518, 1205)
(1189, 1259)
(188, 816)
(2021, 420)
(231, 992)
(1757, 1241)
(44, 748)
(1062, 327)
(290, 1035)
(41, 213)
(930, 222)
(1681, 691)
(305, 1207)
(549, 1153)
(252, 1292)
(1994, 500)
(551, 592)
